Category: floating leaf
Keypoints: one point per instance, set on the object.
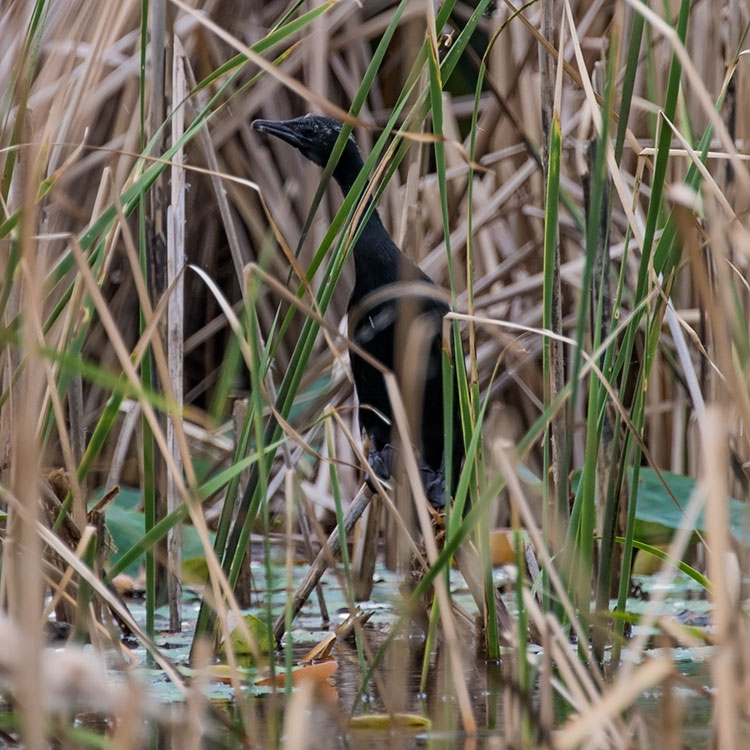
(646, 564)
(311, 673)
(659, 554)
(194, 571)
(501, 547)
(259, 632)
(658, 516)
(223, 673)
(390, 721)
(126, 525)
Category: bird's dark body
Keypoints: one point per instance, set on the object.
(375, 328)
(378, 325)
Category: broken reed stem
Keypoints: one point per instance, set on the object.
(365, 550)
(324, 558)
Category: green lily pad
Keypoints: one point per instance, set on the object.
(261, 635)
(194, 571)
(658, 516)
(126, 525)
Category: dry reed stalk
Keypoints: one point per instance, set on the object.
(195, 715)
(59, 590)
(103, 592)
(23, 549)
(724, 575)
(589, 723)
(220, 589)
(175, 326)
(365, 550)
(577, 686)
(503, 451)
(296, 717)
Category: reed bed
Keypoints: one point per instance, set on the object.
(573, 173)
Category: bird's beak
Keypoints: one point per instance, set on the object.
(281, 129)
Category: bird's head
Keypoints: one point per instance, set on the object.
(313, 135)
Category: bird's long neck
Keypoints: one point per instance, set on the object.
(376, 257)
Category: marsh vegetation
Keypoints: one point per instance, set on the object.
(178, 431)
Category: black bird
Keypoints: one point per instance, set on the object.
(374, 325)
